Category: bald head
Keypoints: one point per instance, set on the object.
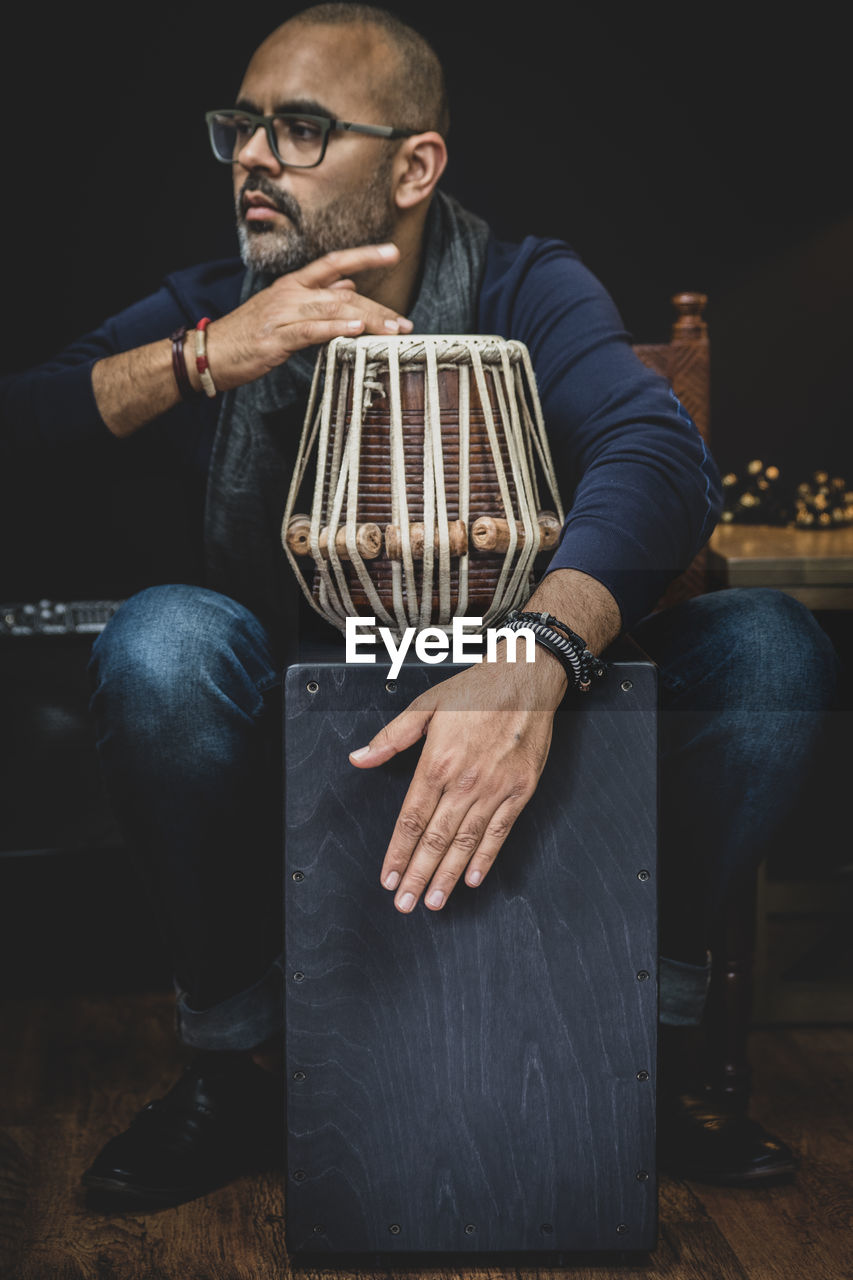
(410, 91)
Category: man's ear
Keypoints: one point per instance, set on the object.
(418, 166)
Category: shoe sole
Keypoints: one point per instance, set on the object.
(115, 1189)
(756, 1177)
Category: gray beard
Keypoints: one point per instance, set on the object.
(367, 217)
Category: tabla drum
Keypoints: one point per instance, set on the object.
(423, 487)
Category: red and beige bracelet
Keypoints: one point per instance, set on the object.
(207, 383)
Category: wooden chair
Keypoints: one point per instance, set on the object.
(685, 362)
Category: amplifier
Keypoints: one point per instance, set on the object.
(54, 800)
(56, 618)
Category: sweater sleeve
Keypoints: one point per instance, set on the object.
(52, 407)
(641, 491)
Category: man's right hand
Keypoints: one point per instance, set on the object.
(302, 309)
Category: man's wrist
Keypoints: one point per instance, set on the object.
(131, 388)
(546, 669)
(556, 636)
(583, 602)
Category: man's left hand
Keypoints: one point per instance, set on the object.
(488, 730)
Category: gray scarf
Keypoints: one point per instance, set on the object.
(259, 427)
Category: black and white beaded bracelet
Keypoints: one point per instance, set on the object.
(556, 636)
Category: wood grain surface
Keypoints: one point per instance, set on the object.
(814, 566)
(468, 1079)
(73, 1071)
(770, 554)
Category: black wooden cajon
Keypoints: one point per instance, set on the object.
(481, 1078)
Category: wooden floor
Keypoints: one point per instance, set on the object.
(74, 1069)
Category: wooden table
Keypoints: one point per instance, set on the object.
(813, 565)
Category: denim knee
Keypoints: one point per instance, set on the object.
(778, 643)
(172, 645)
(768, 653)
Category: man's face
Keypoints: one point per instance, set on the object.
(287, 217)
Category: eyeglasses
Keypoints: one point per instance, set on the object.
(298, 141)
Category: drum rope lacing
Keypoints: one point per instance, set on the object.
(359, 363)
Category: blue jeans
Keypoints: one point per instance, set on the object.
(186, 701)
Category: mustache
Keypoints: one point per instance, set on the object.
(280, 200)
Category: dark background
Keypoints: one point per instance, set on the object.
(672, 149)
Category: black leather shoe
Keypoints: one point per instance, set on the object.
(223, 1117)
(704, 1141)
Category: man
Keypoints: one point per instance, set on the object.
(337, 144)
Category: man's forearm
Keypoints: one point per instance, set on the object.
(588, 608)
(300, 309)
(582, 602)
(136, 386)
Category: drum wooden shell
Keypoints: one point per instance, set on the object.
(449, 431)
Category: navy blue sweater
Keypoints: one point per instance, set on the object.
(641, 491)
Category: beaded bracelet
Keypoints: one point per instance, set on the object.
(570, 648)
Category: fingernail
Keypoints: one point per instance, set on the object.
(407, 902)
(392, 880)
(388, 250)
(404, 323)
(357, 755)
(392, 326)
(436, 898)
(354, 324)
(475, 877)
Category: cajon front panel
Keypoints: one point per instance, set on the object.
(482, 1077)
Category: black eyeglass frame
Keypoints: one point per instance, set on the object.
(325, 123)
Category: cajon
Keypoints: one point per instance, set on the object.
(480, 1078)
